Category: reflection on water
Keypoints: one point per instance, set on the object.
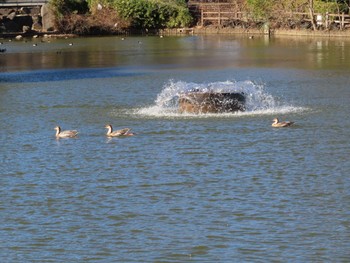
(202, 188)
(176, 52)
(61, 75)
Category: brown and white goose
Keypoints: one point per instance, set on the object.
(65, 134)
(276, 123)
(117, 133)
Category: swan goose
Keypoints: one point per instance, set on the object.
(117, 133)
(276, 123)
(65, 134)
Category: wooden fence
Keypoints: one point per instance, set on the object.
(217, 12)
(325, 20)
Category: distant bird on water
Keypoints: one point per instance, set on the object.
(117, 133)
(65, 134)
(277, 124)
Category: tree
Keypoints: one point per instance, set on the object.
(311, 13)
(260, 9)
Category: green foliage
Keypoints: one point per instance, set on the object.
(332, 6)
(265, 10)
(260, 9)
(63, 7)
(154, 13)
(179, 17)
(94, 3)
(149, 14)
(103, 14)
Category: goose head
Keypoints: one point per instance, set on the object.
(275, 120)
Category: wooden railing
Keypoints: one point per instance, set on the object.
(22, 3)
(219, 16)
(218, 12)
(325, 20)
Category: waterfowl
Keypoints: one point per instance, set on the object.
(65, 134)
(122, 132)
(276, 123)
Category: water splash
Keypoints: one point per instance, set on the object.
(258, 101)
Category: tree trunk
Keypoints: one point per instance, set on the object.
(311, 12)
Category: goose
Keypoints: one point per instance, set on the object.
(122, 132)
(65, 134)
(276, 123)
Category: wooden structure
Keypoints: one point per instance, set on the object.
(327, 19)
(217, 11)
(22, 3)
(211, 102)
(221, 12)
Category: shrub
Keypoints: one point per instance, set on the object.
(63, 7)
(260, 9)
(74, 17)
(154, 13)
(331, 7)
(104, 21)
(81, 17)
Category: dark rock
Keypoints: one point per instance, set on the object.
(11, 26)
(211, 102)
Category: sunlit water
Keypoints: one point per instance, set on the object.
(187, 187)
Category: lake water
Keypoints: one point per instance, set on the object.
(186, 187)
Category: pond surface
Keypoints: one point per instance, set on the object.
(187, 187)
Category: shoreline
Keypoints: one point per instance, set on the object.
(197, 31)
(258, 32)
